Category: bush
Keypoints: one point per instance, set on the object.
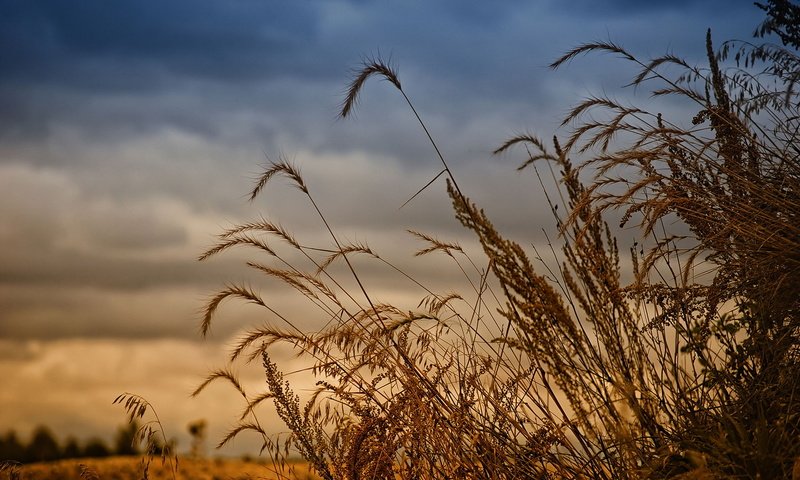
(557, 368)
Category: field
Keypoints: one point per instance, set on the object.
(130, 468)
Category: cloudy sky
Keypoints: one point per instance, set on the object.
(131, 132)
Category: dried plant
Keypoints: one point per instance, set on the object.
(13, 468)
(87, 472)
(685, 367)
(150, 434)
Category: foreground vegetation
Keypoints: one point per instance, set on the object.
(679, 361)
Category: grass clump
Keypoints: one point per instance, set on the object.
(149, 435)
(680, 361)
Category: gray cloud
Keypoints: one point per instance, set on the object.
(143, 107)
(125, 43)
(137, 67)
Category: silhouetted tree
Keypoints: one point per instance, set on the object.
(783, 19)
(95, 447)
(124, 442)
(43, 446)
(10, 447)
(71, 448)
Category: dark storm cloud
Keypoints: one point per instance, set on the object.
(75, 269)
(61, 60)
(681, 20)
(69, 63)
(116, 69)
(617, 8)
(98, 44)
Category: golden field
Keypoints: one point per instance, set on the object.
(130, 468)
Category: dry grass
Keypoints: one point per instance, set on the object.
(559, 369)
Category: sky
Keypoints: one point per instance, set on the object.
(132, 131)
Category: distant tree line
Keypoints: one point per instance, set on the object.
(43, 446)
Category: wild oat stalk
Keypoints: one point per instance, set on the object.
(150, 434)
(88, 473)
